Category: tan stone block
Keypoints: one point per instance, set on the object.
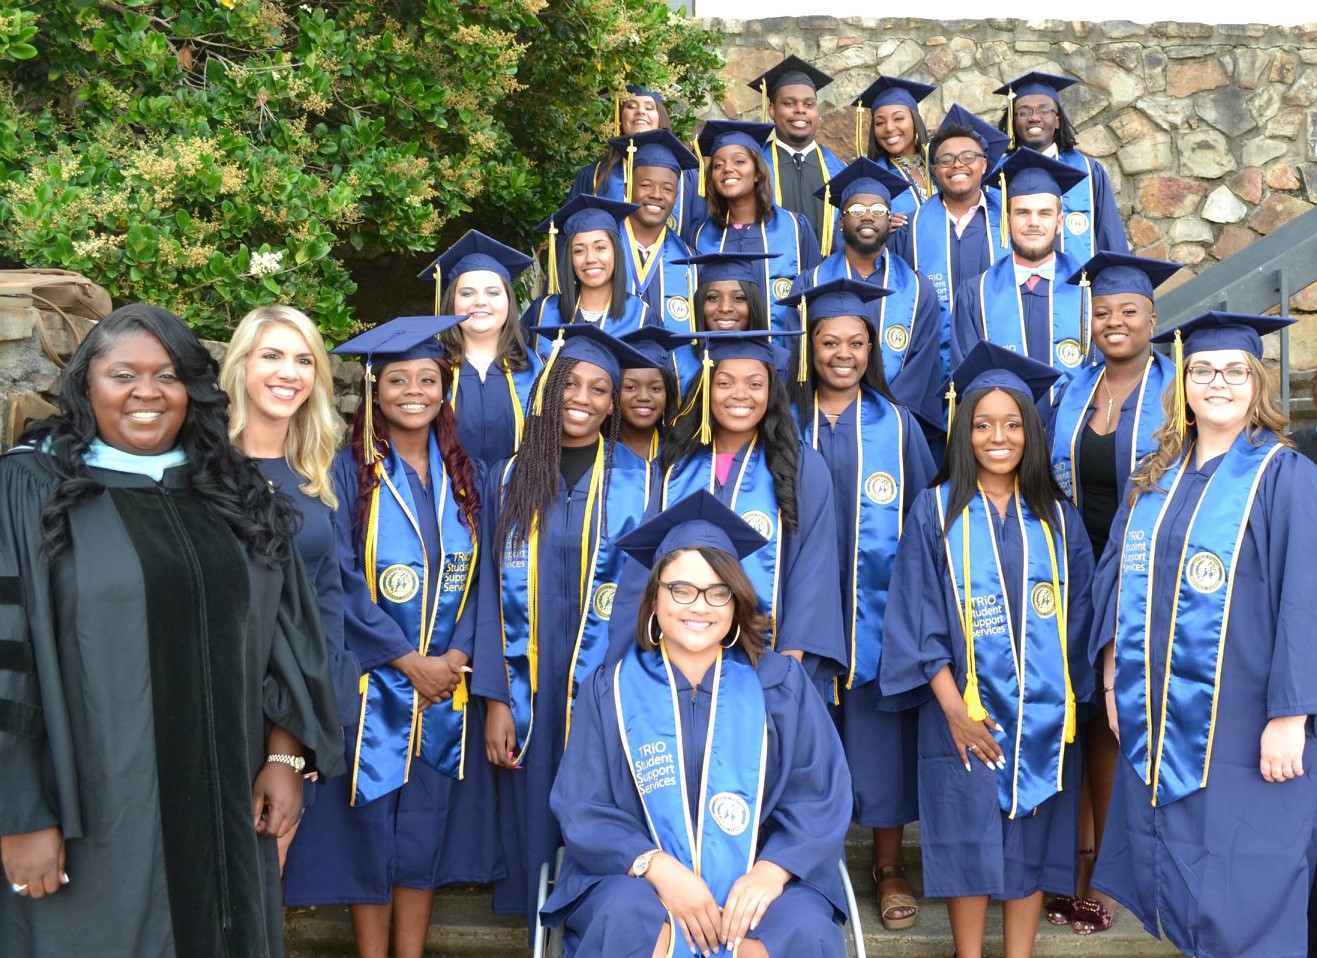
(1281, 177)
(1287, 124)
(1284, 68)
(1141, 231)
(1205, 153)
(939, 63)
(1130, 125)
(1247, 185)
(1155, 251)
(1149, 154)
(1304, 89)
(1305, 301)
(1097, 141)
(1190, 77)
(1232, 240)
(1169, 196)
(1277, 210)
(1032, 46)
(1222, 206)
(1187, 254)
(17, 322)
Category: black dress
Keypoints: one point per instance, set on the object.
(139, 675)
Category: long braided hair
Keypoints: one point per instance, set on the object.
(532, 486)
(461, 473)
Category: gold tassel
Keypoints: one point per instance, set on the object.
(368, 420)
(629, 169)
(1180, 420)
(763, 101)
(554, 286)
(538, 408)
(692, 284)
(617, 116)
(1010, 119)
(1004, 226)
(706, 373)
(826, 239)
(859, 128)
(950, 397)
(973, 702)
(802, 368)
(699, 158)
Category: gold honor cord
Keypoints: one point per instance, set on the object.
(973, 701)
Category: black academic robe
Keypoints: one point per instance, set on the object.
(149, 780)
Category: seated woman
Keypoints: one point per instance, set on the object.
(473, 278)
(989, 609)
(743, 217)
(699, 726)
(163, 679)
(587, 275)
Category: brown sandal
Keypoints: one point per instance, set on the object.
(1089, 916)
(1060, 908)
(891, 906)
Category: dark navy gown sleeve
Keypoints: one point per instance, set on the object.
(1108, 228)
(1288, 502)
(917, 639)
(1079, 592)
(489, 677)
(966, 328)
(368, 631)
(917, 386)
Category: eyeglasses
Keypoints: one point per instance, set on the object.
(873, 209)
(965, 158)
(1029, 112)
(1232, 375)
(684, 593)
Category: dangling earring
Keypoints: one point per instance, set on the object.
(655, 637)
(735, 638)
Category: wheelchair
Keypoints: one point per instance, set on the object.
(548, 941)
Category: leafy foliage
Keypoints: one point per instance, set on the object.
(212, 156)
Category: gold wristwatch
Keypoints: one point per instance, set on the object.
(295, 762)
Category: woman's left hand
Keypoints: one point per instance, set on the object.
(898, 220)
(276, 800)
(1282, 748)
(749, 898)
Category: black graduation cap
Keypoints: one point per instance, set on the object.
(789, 72)
(698, 521)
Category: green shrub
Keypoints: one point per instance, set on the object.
(211, 156)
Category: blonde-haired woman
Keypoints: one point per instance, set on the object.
(281, 413)
(1205, 599)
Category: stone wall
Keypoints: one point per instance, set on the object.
(1209, 133)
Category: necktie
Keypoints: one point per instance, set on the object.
(799, 160)
(1032, 281)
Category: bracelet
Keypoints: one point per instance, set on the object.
(295, 762)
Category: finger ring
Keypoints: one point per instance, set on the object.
(18, 889)
(969, 748)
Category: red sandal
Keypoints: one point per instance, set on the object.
(1060, 908)
(1089, 916)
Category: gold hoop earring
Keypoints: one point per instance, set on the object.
(735, 638)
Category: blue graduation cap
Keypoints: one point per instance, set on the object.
(698, 521)
(407, 337)
(716, 134)
(862, 176)
(730, 344)
(838, 297)
(636, 89)
(727, 267)
(1218, 330)
(995, 142)
(581, 214)
(1108, 273)
(592, 345)
(655, 343)
(1026, 172)
(474, 251)
(656, 148)
(1048, 84)
(989, 366)
(886, 91)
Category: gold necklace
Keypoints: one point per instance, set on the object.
(1111, 399)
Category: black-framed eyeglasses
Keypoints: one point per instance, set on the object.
(1232, 375)
(684, 593)
(1029, 112)
(873, 209)
(964, 158)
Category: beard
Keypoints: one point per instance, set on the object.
(851, 234)
(1033, 250)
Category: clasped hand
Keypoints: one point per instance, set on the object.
(704, 925)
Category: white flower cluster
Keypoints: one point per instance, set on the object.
(264, 264)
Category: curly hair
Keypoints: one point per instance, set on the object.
(754, 626)
(461, 471)
(316, 427)
(1265, 420)
(229, 485)
(960, 467)
(1066, 137)
(777, 431)
(532, 485)
(511, 337)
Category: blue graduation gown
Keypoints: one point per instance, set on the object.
(877, 731)
(432, 831)
(807, 569)
(545, 312)
(687, 213)
(668, 288)
(907, 201)
(803, 815)
(1226, 870)
(970, 845)
(527, 832)
(916, 385)
(795, 190)
(796, 243)
(486, 421)
(1106, 230)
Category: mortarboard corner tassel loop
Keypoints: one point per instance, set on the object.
(1180, 420)
(538, 408)
(706, 374)
(554, 287)
(368, 419)
(950, 397)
